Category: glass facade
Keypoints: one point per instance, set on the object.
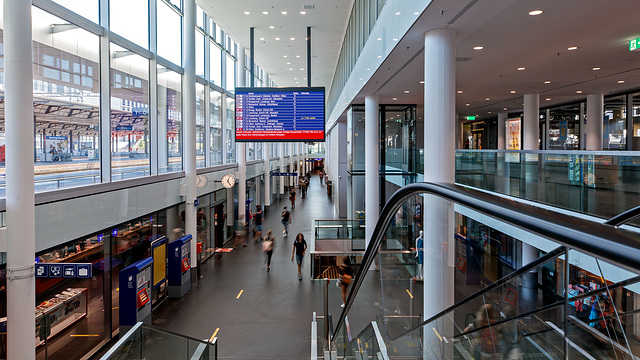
(169, 120)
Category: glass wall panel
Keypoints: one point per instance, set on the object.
(129, 23)
(215, 64)
(564, 127)
(615, 123)
(66, 104)
(169, 120)
(169, 33)
(129, 114)
(231, 74)
(251, 151)
(215, 123)
(200, 125)
(200, 17)
(200, 42)
(230, 148)
(635, 115)
(86, 8)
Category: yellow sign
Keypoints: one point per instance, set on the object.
(159, 263)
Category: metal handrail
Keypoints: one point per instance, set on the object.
(624, 217)
(617, 246)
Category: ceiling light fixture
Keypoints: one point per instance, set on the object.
(395, 39)
(548, 99)
(394, 99)
(406, 91)
(379, 56)
(512, 91)
(292, 39)
(261, 39)
(298, 56)
(303, 13)
(578, 91)
(459, 91)
(547, 82)
(379, 39)
(265, 13)
(571, 48)
(290, 69)
(278, 39)
(478, 47)
(488, 112)
(595, 69)
(535, 12)
(416, 13)
(271, 27)
(505, 109)
(467, 104)
(422, 82)
(284, 56)
(301, 69)
(521, 69)
(288, 63)
(398, 13)
(247, 13)
(620, 81)
(487, 99)
(283, 12)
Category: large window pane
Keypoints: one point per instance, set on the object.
(230, 136)
(615, 123)
(200, 126)
(129, 114)
(132, 21)
(65, 103)
(169, 33)
(231, 74)
(215, 122)
(169, 120)
(200, 41)
(87, 8)
(215, 68)
(200, 17)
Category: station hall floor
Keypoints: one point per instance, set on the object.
(258, 314)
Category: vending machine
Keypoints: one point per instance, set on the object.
(135, 294)
(179, 266)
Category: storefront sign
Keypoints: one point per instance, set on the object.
(63, 270)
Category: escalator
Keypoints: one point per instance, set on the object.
(579, 299)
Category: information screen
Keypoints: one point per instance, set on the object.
(280, 114)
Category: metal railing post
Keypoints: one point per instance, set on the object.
(326, 313)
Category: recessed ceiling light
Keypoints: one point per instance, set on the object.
(394, 99)
(271, 27)
(261, 39)
(595, 69)
(505, 109)
(512, 91)
(547, 82)
(303, 13)
(379, 39)
(406, 91)
(520, 68)
(290, 69)
(301, 69)
(360, 79)
(368, 69)
(295, 78)
(459, 91)
(298, 56)
(278, 39)
(284, 55)
(247, 13)
(487, 99)
(488, 112)
(398, 13)
(288, 63)
(548, 99)
(422, 82)
(395, 39)
(283, 13)
(416, 13)
(478, 47)
(571, 48)
(265, 13)
(620, 81)
(467, 104)
(578, 91)
(292, 39)
(535, 12)
(379, 56)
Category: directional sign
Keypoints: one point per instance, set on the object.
(65, 270)
(283, 174)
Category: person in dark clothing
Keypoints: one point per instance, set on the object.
(286, 220)
(299, 248)
(257, 218)
(292, 198)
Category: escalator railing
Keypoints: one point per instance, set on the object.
(515, 313)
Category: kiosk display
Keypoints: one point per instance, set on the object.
(180, 266)
(280, 114)
(135, 294)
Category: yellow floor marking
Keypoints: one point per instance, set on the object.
(395, 350)
(436, 331)
(239, 294)
(408, 292)
(83, 335)
(214, 335)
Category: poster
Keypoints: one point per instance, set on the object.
(513, 140)
(59, 143)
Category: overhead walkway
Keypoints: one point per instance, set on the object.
(551, 308)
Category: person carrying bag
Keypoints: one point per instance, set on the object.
(268, 245)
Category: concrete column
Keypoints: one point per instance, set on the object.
(241, 147)
(502, 118)
(267, 177)
(595, 111)
(371, 163)
(439, 166)
(189, 121)
(530, 123)
(20, 201)
(281, 179)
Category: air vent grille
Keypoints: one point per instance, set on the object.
(309, 7)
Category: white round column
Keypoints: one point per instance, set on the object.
(502, 119)
(20, 201)
(266, 148)
(531, 122)
(241, 147)
(595, 111)
(371, 164)
(189, 142)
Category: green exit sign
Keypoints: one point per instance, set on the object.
(634, 44)
(471, 117)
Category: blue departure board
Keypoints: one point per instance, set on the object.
(280, 114)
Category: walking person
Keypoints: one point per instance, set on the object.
(299, 248)
(257, 218)
(267, 246)
(344, 279)
(286, 220)
(321, 175)
(292, 198)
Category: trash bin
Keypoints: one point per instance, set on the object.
(329, 187)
